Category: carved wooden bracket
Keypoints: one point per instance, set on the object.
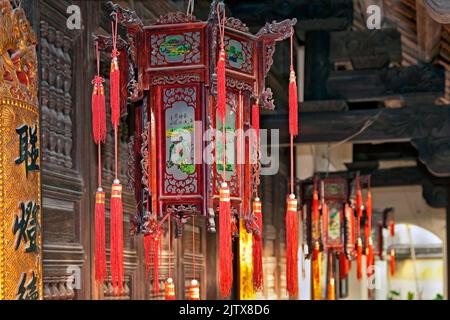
(439, 10)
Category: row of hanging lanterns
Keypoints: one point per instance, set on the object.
(337, 222)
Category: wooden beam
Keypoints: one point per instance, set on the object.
(426, 127)
(367, 49)
(311, 15)
(388, 82)
(439, 10)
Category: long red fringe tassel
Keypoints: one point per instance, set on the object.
(344, 265)
(370, 258)
(292, 247)
(392, 254)
(116, 212)
(152, 247)
(225, 249)
(116, 236)
(257, 247)
(293, 104)
(115, 90)
(331, 282)
(316, 266)
(293, 99)
(358, 200)
(255, 119)
(359, 259)
(98, 111)
(369, 214)
(315, 212)
(99, 134)
(221, 84)
(100, 249)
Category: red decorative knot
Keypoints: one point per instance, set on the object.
(115, 53)
(98, 80)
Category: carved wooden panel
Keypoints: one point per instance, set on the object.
(63, 181)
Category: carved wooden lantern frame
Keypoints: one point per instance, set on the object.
(171, 88)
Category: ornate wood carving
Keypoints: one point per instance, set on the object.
(175, 17)
(237, 24)
(180, 78)
(56, 97)
(439, 10)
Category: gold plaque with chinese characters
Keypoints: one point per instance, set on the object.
(20, 195)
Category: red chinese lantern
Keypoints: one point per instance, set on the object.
(192, 93)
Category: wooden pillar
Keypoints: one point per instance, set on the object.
(317, 64)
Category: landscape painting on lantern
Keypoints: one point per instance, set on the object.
(180, 140)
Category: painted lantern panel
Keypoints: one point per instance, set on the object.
(175, 49)
(335, 192)
(231, 125)
(180, 109)
(239, 54)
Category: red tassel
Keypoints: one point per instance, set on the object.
(100, 251)
(221, 84)
(293, 105)
(331, 284)
(152, 247)
(315, 212)
(115, 90)
(392, 229)
(116, 236)
(369, 214)
(359, 200)
(392, 261)
(370, 258)
(98, 111)
(292, 246)
(257, 247)
(255, 119)
(226, 253)
(344, 265)
(316, 269)
(359, 259)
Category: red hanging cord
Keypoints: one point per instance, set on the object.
(99, 135)
(116, 210)
(291, 207)
(170, 247)
(225, 248)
